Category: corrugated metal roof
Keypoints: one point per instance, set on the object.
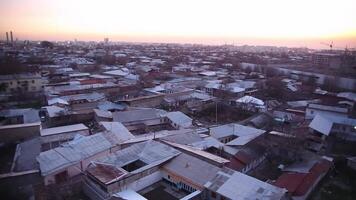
(323, 123)
(119, 131)
(183, 138)
(149, 152)
(192, 168)
(90, 97)
(238, 186)
(137, 115)
(179, 118)
(244, 134)
(72, 152)
(198, 152)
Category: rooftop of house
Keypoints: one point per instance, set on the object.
(67, 154)
(119, 132)
(188, 137)
(103, 113)
(179, 118)
(137, 115)
(107, 105)
(324, 123)
(90, 97)
(63, 129)
(29, 115)
(328, 108)
(238, 186)
(299, 183)
(140, 156)
(200, 153)
(244, 134)
(54, 111)
(191, 168)
(250, 100)
(19, 77)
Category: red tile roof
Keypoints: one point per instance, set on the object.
(239, 161)
(298, 184)
(290, 181)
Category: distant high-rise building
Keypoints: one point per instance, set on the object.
(7, 37)
(106, 40)
(11, 37)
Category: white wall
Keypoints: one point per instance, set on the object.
(145, 181)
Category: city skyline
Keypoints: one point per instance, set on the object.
(276, 22)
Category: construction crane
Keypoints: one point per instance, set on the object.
(329, 45)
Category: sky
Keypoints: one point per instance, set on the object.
(297, 23)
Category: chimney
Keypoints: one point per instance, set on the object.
(7, 37)
(11, 37)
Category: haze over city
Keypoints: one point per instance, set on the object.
(276, 22)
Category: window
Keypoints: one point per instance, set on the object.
(33, 81)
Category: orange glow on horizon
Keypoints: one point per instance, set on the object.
(273, 22)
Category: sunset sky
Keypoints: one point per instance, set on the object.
(256, 22)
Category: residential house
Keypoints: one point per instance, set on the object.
(231, 185)
(250, 103)
(314, 109)
(19, 124)
(135, 167)
(139, 118)
(71, 159)
(300, 180)
(178, 120)
(341, 127)
(53, 137)
(21, 83)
